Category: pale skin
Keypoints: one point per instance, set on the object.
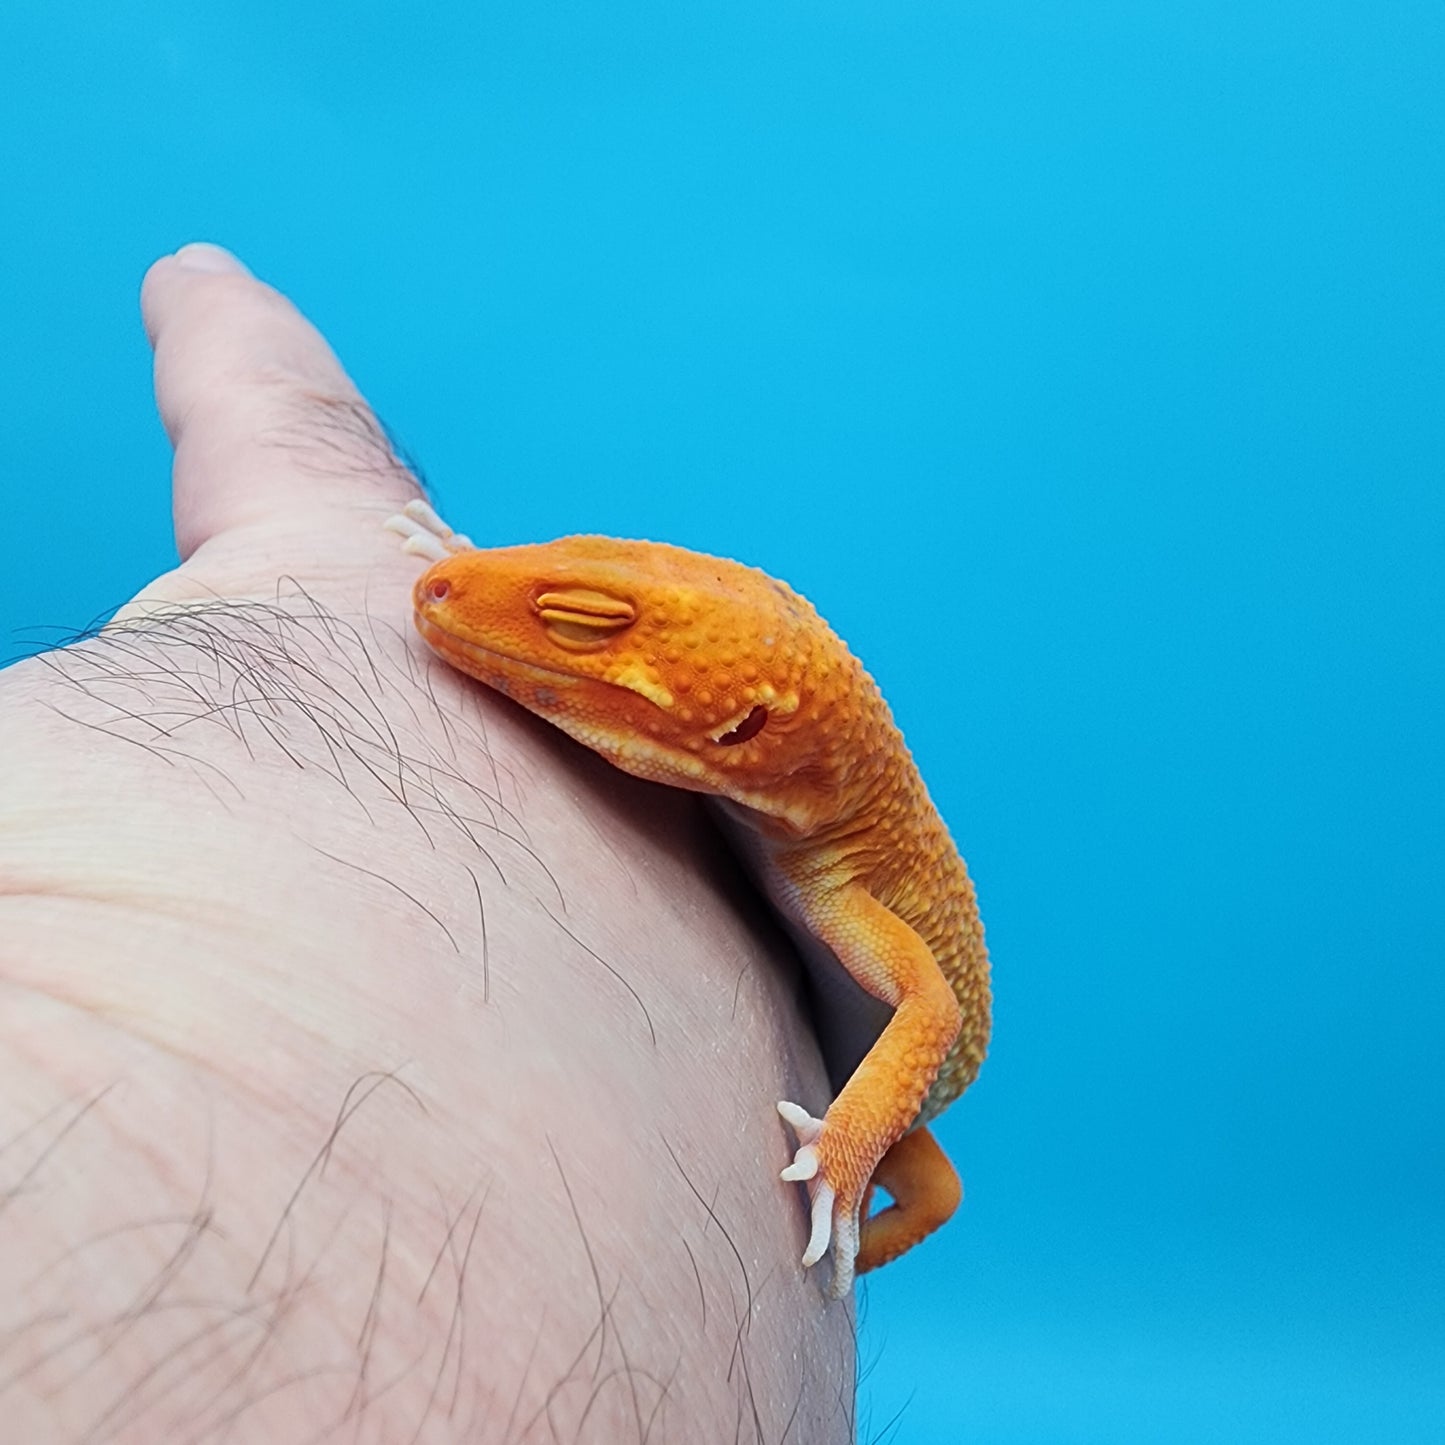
(272, 876)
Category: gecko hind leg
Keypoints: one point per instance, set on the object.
(880, 1102)
(425, 534)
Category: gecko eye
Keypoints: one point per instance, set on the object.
(439, 590)
(749, 727)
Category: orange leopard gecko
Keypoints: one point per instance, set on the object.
(712, 676)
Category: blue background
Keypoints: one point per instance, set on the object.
(1083, 362)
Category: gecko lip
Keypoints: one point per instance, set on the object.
(437, 636)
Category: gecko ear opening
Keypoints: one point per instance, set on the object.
(749, 727)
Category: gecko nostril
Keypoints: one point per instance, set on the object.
(439, 590)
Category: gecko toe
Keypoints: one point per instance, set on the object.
(822, 1233)
(834, 1208)
(426, 517)
(804, 1165)
(802, 1123)
(845, 1252)
(424, 534)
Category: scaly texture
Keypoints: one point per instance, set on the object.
(708, 675)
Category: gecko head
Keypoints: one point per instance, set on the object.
(689, 670)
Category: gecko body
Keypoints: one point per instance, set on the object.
(708, 675)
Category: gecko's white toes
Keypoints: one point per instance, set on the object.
(425, 515)
(416, 540)
(845, 1251)
(425, 546)
(804, 1165)
(425, 534)
(808, 1129)
(822, 1225)
(834, 1224)
(803, 1124)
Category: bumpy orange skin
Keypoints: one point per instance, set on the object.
(705, 674)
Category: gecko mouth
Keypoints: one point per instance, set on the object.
(452, 646)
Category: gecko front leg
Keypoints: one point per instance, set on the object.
(425, 534)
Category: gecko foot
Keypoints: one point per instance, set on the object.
(835, 1204)
(425, 534)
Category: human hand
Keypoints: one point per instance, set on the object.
(372, 1060)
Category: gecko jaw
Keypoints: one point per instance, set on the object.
(448, 644)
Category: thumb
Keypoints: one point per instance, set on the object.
(278, 458)
(264, 421)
